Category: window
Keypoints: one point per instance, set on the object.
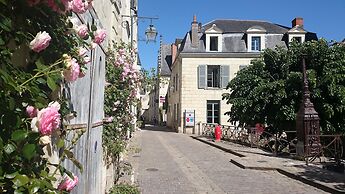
(213, 43)
(297, 39)
(256, 43)
(213, 110)
(213, 77)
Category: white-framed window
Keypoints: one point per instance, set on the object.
(213, 39)
(213, 43)
(213, 111)
(256, 39)
(297, 37)
(256, 43)
(213, 76)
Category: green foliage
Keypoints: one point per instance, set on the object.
(124, 189)
(28, 78)
(270, 90)
(119, 98)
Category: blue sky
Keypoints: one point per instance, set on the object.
(324, 17)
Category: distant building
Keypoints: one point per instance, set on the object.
(210, 55)
(156, 110)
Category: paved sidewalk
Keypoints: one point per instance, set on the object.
(257, 159)
(165, 162)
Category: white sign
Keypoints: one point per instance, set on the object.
(189, 118)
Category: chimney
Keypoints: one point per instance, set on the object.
(194, 33)
(173, 53)
(297, 22)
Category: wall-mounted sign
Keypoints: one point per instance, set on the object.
(162, 99)
(189, 118)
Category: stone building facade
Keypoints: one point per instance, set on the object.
(209, 56)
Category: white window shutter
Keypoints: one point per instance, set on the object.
(202, 76)
(224, 72)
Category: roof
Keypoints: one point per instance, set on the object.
(166, 60)
(235, 32)
(241, 26)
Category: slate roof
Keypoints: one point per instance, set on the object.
(234, 35)
(166, 60)
(233, 26)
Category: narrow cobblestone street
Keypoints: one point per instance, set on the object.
(167, 162)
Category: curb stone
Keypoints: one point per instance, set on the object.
(280, 170)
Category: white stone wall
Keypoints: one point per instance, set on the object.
(174, 96)
(191, 97)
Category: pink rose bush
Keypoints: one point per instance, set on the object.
(40, 42)
(100, 36)
(47, 120)
(68, 184)
(71, 73)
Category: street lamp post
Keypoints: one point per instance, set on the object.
(151, 31)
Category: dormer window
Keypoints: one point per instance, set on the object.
(297, 39)
(213, 43)
(297, 33)
(213, 39)
(256, 43)
(256, 39)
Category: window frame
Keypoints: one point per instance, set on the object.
(213, 103)
(215, 76)
(257, 44)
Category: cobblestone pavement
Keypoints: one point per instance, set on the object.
(167, 162)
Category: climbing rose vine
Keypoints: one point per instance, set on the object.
(43, 48)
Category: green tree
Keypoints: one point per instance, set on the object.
(270, 90)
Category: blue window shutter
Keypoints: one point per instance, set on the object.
(224, 72)
(202, 76)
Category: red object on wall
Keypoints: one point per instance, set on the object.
(218, 133)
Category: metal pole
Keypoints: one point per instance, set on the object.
(131, 16)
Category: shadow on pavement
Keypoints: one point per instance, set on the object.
(149, 127)
(323, 175)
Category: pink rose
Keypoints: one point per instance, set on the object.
(72, 71)
(78, 6)
(68, 184)
(100, 35)
(88, 4)
(82, 30)
(48, 120)
(31, 111)
(82, 51)
(40, 42)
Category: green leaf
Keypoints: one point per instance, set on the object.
(11, 103)
(68, 153)
(51, 83)
(3, 2)
(1, 144)
(41, 80)
(93, 27)
(39, 64)
(2, 42)
(29, 150)
(21, 180)
(60, 143)
(9, 148)
(19, 135)
(11, 176)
